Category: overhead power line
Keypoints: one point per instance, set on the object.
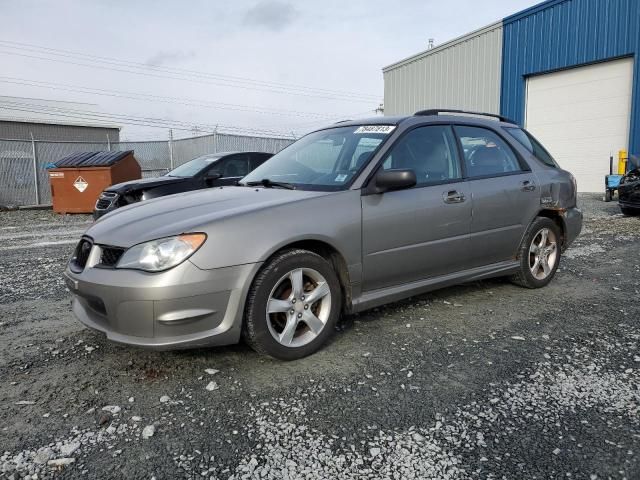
(88, 115)
(161, 98)
(113, 64)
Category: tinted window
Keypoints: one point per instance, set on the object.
(236, 166)
(258, 159)
(429, 151)
(485, 153)
(530, 143)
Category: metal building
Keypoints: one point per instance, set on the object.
(22, 118)
(462, 73)
(568, 71)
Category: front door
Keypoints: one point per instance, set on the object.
(420, 232)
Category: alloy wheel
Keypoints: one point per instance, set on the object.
(543, 253)
(298, 308)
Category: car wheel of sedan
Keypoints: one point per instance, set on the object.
(539, 254)
(293, 305)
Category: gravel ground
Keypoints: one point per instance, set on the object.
(485, 380)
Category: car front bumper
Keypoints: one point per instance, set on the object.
(184, 307)
(629, 194)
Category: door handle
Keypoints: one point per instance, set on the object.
(453, 196)
(527, 186)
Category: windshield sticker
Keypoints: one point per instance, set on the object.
(386, 129)
(341, 177)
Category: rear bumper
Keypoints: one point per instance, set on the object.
(184, 307)
(572, 220)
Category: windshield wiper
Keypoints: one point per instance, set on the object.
(266, 183)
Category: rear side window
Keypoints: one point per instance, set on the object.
(529, 142)
(485, 153)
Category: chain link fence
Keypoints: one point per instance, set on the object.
(23, 164)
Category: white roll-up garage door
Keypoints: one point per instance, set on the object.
(581, 115)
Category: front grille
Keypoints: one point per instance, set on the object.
(110, 256)
(80, 255)
(105, 200)
(102, 204)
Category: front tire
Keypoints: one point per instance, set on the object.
(539, 254)
(293, 305)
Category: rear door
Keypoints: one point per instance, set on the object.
(505, 194)
(420, 232)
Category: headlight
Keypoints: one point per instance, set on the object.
(163, 253)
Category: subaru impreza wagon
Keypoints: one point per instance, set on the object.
(349, 217)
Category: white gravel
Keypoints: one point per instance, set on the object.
(574, 381)
(288, 448)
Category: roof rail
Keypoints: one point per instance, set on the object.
(344, 121)
(437, 111)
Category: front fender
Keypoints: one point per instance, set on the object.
(252, 237)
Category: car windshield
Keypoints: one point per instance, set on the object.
(192, 167)
(323, 160)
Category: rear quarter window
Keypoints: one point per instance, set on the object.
(529, 142)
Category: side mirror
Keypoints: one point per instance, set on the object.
(213, 176)
(396, 179)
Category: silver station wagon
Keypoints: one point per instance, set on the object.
(347, 218)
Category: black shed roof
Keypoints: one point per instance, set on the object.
(91, 159)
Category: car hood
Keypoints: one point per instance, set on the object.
(187, 212)
(143, 183)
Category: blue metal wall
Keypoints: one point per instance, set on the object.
(560, 34)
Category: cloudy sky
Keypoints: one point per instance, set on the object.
(267, 65)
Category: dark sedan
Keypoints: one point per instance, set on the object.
(213, 170)
(629, 192)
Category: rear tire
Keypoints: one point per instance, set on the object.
(293, 305)
(539, 254)
(630, 212)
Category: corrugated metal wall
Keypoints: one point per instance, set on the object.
(462, 73)
(561, 34)
(68, 133)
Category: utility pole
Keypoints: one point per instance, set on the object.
(35, 169)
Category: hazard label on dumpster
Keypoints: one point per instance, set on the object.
(80, 184)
